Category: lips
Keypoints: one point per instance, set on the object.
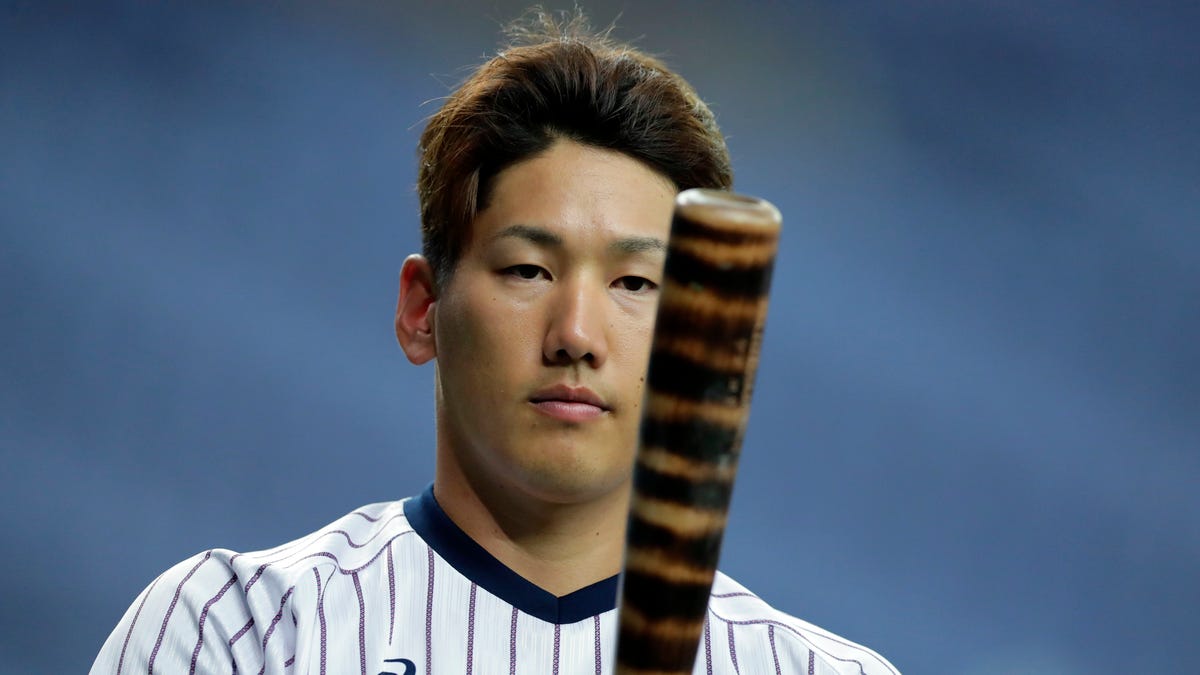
(569, 404)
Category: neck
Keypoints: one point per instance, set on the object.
(560, 547)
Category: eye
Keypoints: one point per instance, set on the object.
(526, 272)
(635, 284)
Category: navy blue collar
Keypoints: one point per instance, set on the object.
(472, 561)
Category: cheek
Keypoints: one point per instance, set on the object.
(636, 337)
(634, 345)
(462, 338)
(485, 338)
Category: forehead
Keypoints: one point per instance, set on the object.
(580, 192)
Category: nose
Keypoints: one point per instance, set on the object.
(576, 331)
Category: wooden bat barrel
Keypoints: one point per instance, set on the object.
(711, 313)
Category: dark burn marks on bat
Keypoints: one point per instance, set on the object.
(696, 352)
(723, 281)
(700, 440)
(683, 377)
(692, 226)
(705, 353)
(706, 311)
(701, 550)
(660, 651)
(700, 494)
(658, 644)
(680, 601)
(664, 460)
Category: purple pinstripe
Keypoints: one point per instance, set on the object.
(351, 542)
(338, 563)
(707, 645)
(774, 654)
(271, 628)
(557, 642)
(471, 630)
(320, 605)
(121, 661)
(365, 516)
(512, 645)
(812, 662)
(203, 617)
(258, 573)
(429, 618)
(772, 624)
(321, 615)
(391, 595)
(378, 531)
(238, 635)
(285, 550)
(362, 626)
(598, 667)
(732, 648)
(163, 630)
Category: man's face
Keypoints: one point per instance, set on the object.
(543, 332)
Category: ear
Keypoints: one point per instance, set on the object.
(415, 310)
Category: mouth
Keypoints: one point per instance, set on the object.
(569, 404)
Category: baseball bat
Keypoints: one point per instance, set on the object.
(707, 334)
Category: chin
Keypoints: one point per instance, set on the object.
(575, 485)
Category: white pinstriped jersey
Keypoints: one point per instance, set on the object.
(398, 588)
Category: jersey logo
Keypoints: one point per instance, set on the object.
(410, 668)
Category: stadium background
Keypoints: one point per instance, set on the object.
(975, 445)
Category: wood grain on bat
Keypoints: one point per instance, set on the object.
(702, 364)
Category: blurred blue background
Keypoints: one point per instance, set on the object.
(975, 445)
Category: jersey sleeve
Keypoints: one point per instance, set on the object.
(803, 645)
(185, 621)
(757, 638)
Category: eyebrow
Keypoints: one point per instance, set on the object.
(543, 237)
(535, 235)
(632, 245)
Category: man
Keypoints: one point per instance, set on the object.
(546, 185)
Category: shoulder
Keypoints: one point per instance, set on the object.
(349, 543)
(751, 629)
(219, 608)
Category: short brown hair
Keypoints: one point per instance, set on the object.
(557, 80)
